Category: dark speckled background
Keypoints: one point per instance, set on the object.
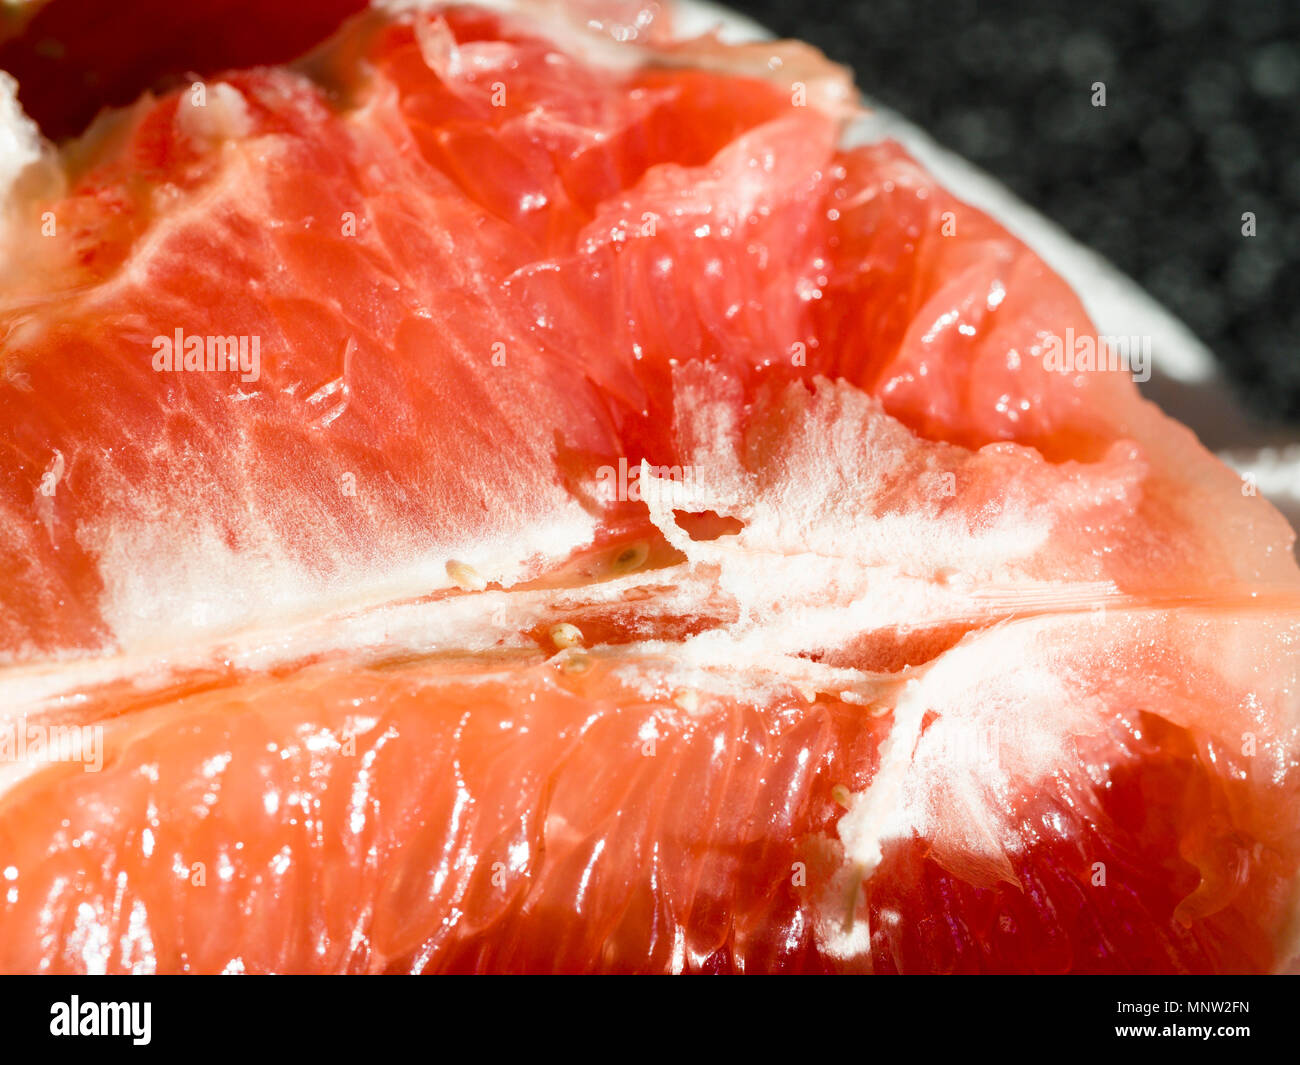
(1202, 123)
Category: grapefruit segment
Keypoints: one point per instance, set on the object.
(424, 817)
(637, 814)
(650, 537)
(1161, 737)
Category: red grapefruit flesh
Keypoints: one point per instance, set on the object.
(74, 57)
(904, 653)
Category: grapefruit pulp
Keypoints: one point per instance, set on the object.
(648, 537)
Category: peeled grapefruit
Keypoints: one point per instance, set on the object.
(508, 494)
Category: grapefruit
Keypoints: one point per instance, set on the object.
(508, 494)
